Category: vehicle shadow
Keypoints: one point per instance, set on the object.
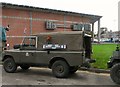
(48, 73)
(36, 71)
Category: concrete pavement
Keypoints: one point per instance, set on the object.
(44, 76)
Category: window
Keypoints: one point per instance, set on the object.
(77, 27)
(29, 42)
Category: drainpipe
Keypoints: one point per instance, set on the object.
(30, 22)
(64, 22)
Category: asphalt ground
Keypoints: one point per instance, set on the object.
(44, 76)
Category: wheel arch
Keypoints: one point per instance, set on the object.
(7, 56)
(56, 59)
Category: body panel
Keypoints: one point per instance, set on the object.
(43, 57)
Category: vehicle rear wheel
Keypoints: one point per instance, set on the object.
(9, 65)
(73, 69)
(60, 69)
(25, 67)
(115, 73)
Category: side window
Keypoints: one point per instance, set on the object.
(29, 41)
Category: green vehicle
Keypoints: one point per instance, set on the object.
(63, 52)
(114, 64)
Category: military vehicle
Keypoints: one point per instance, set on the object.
(114, 64)
(63, 52)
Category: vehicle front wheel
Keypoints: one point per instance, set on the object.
(25, 67)
(9, 65)
(60, 69)
(115, 73)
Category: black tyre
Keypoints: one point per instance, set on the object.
(73, 69)
(25, 67)
(60, 69)
(115, 73)
(9, 65)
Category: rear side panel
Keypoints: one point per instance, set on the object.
(73, 58)
(73, 41)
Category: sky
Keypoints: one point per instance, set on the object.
(106, 8)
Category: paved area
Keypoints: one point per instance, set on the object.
(44, 76)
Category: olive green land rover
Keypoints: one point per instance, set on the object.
(63, 52)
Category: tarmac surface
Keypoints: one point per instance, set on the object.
(44, 76)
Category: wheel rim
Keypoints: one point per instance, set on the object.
(59, 69)
(9, 66)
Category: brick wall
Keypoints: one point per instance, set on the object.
(19, 20)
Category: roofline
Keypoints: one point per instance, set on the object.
(93, 18)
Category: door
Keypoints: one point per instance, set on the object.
(87, 46)
(28, 50)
